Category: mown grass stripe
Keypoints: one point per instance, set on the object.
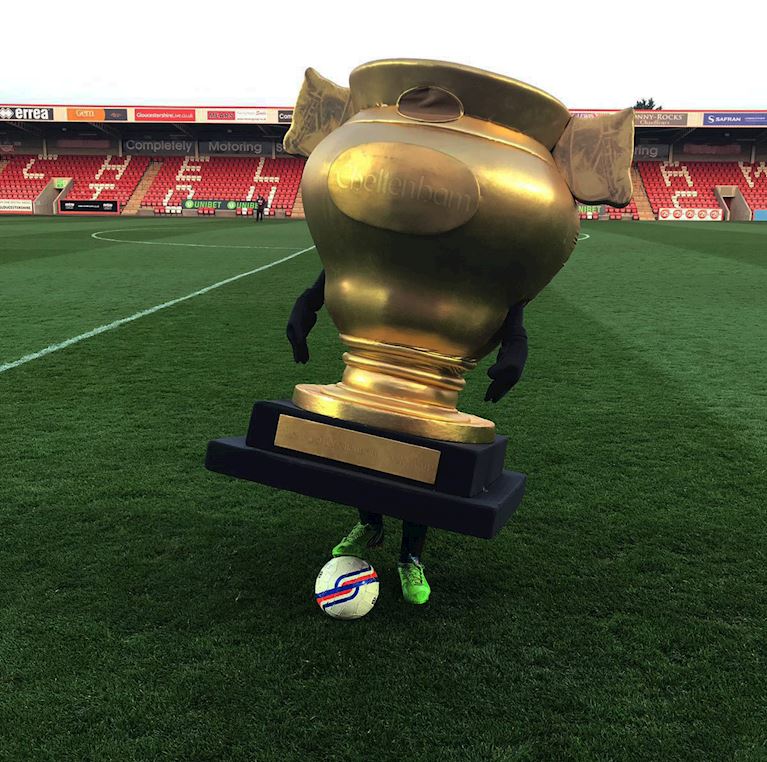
(142, 313)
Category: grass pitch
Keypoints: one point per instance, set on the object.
(152, 610)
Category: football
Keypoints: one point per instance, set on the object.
(346, 587)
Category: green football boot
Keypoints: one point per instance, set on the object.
(415, 588)
(363, 537)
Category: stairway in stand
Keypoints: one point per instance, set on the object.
(3, 163)
(134, 202)
(298, 207)
(644, 210)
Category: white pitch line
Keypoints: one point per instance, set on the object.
(583, 236)
(98, 235)
(117, 323)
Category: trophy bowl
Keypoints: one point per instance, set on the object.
(434, 209)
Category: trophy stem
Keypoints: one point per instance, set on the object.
(404, 389)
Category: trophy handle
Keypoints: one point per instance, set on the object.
(322, 106)
(595, 154)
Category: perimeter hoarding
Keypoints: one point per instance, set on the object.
(10, 146)
(719, 149)
(148, 114)
(85, 114)
(96, 114)
(165, 114)
(652, 152)
(735, 119)
(96, 206)
(245, 115)
(78, 146)
(16, 206)
(151, 146)
(669, 214)
(661, 118)
(252, 115)
(237, 147)
(218, 204)
(27, 113)
(284, 115)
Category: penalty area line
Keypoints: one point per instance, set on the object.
(143, 313)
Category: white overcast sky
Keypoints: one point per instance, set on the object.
(684, 53)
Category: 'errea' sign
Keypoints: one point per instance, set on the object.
(27, 113)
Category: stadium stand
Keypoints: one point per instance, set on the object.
(109, 177)
(162, 184)
(237, 179)
(691, 184)
(629, 212)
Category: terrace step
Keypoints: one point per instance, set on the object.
(134, 202)
(644, 210)
(298, 207)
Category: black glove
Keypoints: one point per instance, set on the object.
(511, 356)
(303, 316)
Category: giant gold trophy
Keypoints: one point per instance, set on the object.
(438, 196)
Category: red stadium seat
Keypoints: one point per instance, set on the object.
(113, 178)
(228, 179)
(691, 184)
(116, 178)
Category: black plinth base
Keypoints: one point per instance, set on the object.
(472, 494)
(464, 469)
